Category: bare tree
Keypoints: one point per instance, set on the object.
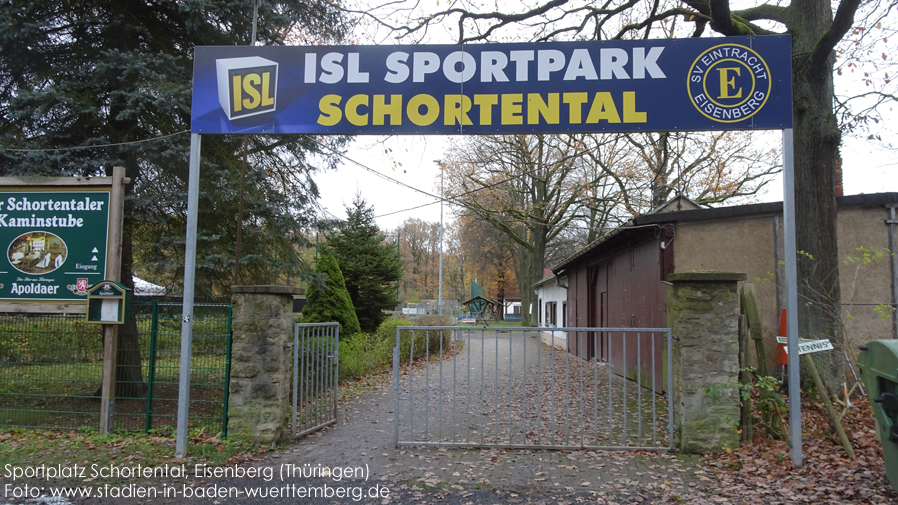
(419, 248)
(816, 32)
(520, 184)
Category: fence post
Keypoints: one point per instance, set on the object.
(151, 370)
(704, 318)
(227, 379)
(259, 392)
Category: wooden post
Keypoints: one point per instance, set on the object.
(750, 310)
(113, 272)
(824, 397)
(747, 434)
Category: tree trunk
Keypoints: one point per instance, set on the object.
(816, 149)
(129, 370)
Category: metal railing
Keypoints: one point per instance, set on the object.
(159, 339)
(518, 388)
(316, 368)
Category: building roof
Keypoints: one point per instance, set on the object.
(650, 223)
(551, 278)
(545, 280)
(676, 204)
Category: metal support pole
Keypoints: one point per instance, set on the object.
(791, 253)
(255, 20)
(440, 289)
(193, 196)
(893, 255)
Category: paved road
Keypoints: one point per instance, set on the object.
(356, 461)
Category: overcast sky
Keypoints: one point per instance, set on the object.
(867, 167)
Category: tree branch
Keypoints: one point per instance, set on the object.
(842, 22)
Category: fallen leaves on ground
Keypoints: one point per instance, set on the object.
(763, 472)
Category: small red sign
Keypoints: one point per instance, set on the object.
(82, 284)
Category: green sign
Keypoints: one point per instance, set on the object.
(56, 243)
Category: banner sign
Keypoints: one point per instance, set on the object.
(807, 346)
(731, 83)
(56, 242)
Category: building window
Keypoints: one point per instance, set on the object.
(564, 314)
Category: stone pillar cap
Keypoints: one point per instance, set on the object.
(269, 290)
(706, 276)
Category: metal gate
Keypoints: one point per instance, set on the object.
(315, 373)
(519, 388)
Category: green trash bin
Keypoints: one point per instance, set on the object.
(879, 368)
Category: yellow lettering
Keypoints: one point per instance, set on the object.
(352, 110)
(511, 108)
(428, 118)
(603, 108)
(392, 109)
(250, 81)
(536, 107)
(238, 94)
(575, 102)
(456, 108)
(267, 99)
(630, 114)
(329, 105)
(486, 103)
(726, 82)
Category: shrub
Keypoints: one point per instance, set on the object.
(364, 353)
(433, 320)
(425, 341)
(387, 329)
(332, 303)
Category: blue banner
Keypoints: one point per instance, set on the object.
(732, 83)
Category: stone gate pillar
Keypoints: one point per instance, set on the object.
(259, 397)
(704, 315)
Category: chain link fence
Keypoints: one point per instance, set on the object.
(51, 368)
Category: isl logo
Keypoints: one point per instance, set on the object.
(729, 83)
(247, 86)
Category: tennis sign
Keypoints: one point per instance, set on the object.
(609, 86)
(807, 346)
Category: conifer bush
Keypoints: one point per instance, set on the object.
(331, 304)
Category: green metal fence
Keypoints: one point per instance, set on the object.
(51, 368)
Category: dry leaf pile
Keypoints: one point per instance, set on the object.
(762, 473)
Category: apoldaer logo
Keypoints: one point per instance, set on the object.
(729, 83)
(247, 86)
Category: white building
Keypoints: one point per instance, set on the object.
(551, 307)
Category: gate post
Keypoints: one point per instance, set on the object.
(704, 316)
(259, 396)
